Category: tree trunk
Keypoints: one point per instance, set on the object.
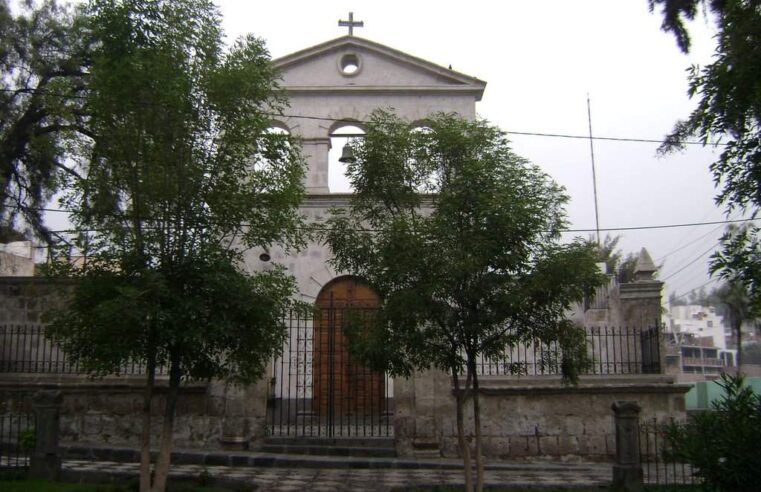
(477, 425)
(739, 334)
(167, 429)
(461, 441)
(145, 433)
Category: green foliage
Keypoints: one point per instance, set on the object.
(27, 439)
(738, 262)
(724, 444)
(615, 262)
(204, 477)
(752, 353)
(43, 58)
(215, 320)
(180, 176)
(460, 237)
(728, 93)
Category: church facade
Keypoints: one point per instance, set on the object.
(315, 389)
(338, 84)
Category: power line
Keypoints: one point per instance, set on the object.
(695, 288)
(318, 227)
(633, 228)
(664, 226)
(680, 248)
(693, 261)
(513, 132)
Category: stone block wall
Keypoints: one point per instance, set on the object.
(210, 415)
(529, 417)
(26, 299)
(108, 411)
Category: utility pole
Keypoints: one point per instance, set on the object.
(594, 174)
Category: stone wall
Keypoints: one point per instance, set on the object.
(25, 299)
(108, 410)
(538, 416)
(529, 417)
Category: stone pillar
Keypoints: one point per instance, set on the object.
(640, 308)
(315, 150)
(46, 458)
(641, 299)
(627, 471)
(240, 411)
(424, 406)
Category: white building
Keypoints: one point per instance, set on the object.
(17, 259)
(700, 321)
(697, 343)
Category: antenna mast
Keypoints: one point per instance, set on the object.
(594, 174)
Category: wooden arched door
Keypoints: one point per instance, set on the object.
(344, 391)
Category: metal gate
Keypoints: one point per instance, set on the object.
(317, 389)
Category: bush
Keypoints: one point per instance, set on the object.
(724, 444)
(26, 440)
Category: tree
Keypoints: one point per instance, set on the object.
(179, 176)
(44, 55)
(676, 301)
(739, 263)
(753, 354)
(615, 262)
(723, 444)
(459, 236)
(728, 111)
(733, 305)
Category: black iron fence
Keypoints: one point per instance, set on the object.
(610, 351)
(659, 465)
(25, 349)
(17, 437)
(318, 389)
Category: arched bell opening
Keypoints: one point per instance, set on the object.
(339, 155)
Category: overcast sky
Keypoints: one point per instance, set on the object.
(540, 59)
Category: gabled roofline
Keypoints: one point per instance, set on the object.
(307, 53)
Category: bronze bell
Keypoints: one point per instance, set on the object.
(347, 155)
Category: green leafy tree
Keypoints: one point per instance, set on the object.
(615, 262)
(676, 301)
(459, 236)
(739, 263)
(728, 93)
(44, 55)
(752, 354)
(180, 176)
(723, 444)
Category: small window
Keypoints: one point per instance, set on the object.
(349, 64)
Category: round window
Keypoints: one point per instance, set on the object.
(349, 64)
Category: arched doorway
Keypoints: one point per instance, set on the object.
(317, 389)
(344, 389)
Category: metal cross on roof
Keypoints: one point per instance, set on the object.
(351, 23)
